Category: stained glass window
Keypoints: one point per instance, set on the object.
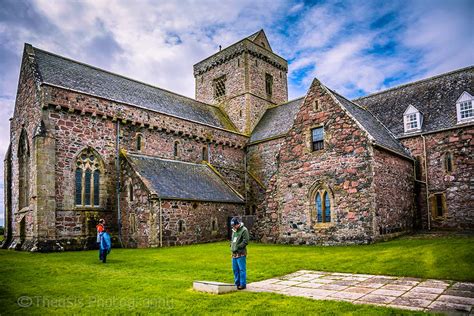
(327, 207)
(96, 187)
(319, 208)
(87, 179)
(323, 207)
(78, 186)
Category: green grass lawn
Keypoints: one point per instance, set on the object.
(160, 280)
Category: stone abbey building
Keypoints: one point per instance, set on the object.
(164, 169)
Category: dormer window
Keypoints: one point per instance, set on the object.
(412, 119)
(465, 107)
(411, 122)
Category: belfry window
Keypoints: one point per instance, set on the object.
(219, 87)
(317, 138)
(87, 179)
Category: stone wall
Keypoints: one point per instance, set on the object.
(139, 214)
(26, 117)
(141, 217)
(457, 185)
(262, 166)
(394, 189)
(197, 220)
(343, 169)
(245, 70)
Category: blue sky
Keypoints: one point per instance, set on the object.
(354, 47)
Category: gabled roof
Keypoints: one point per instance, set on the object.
(410, 109)
(260, 38)
(380, 134)
(435, 97)
(276, 121)
(69, 74)
(172, 179)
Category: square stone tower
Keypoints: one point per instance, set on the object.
(244, 80)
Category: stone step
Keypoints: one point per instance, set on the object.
(213, 287)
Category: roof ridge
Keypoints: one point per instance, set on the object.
(164, 159)
(122, 76)
(378, 121)
(417, 82)
(368, 111)
(254, 34)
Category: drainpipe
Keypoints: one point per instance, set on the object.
(245, 177)
(426, 183)
(117, 187)
(161, 222)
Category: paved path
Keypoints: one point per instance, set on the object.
(398, 292)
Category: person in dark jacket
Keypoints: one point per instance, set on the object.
(105, 245)
(238, 246)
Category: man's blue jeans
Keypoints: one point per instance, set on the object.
(239, 266)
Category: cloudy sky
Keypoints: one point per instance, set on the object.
(354, 47)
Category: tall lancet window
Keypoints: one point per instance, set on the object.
(87, 179)
(23, 171)
(321, 204)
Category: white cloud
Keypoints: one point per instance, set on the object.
(342, 43)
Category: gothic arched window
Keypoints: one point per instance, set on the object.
(321, 204)
(87, 179)
(23, 171)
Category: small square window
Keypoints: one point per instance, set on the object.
(317, 138)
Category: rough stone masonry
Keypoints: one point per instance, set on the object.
(164, 169)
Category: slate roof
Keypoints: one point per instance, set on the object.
(70, 74)
(276, 121)
(434, 97)
(381, 135)
(172, 179)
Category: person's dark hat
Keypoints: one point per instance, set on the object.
(234, 221)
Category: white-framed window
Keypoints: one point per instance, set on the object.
(465, 107)
(466, 110)
(412, 119)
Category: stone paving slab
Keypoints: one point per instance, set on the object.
(396, 292)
